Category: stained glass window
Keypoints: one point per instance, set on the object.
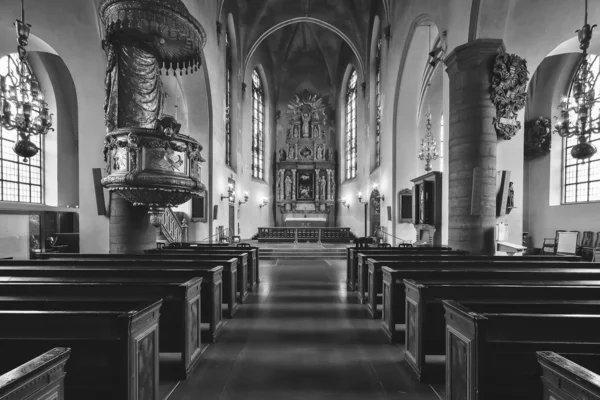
(227, 100)
(378, 100)
(258, 126)
(351, 152)
(581, 181)
(19, 181)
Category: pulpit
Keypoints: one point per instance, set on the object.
(427, 205)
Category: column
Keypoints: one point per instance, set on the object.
(130, 229)
(293, 184)
(472, 147)
(318, 185)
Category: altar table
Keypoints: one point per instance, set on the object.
(313, 222)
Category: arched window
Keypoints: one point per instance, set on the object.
(378, 104)
(227, 100)
(351, 152)
(19, 181)
(258, 126)
(581, 181)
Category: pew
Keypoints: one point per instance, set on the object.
(493, 355)
(254, 272)
(114, 353)
(562, 379)
(211, 286)
(239, 274)
(37, 379)
(352, 260)
(229, 274)
(425, 321)
(370, 279)
(394, 296)
(181, 314)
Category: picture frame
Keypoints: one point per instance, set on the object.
(305, 185)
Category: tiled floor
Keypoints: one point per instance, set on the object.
(302, 336)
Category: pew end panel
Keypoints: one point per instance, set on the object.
(413, 349)
(462, 352)
(393, 304)
(563, 379)
(211, 307)
(193, 323)
(38, 379)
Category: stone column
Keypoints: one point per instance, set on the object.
(130, 229)
(472, 147)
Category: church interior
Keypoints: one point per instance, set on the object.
(292, 199)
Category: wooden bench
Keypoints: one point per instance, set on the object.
(563, 379)
(39, 379)
(181, 314)
(352, 258)
(394, 296)
(425, 321)
(253, 271)
(229, 273)
(493, 355)
(211, 286)
(370, 278)
(114, 353)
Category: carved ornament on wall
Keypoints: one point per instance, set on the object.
(538, 137)
(508, 93)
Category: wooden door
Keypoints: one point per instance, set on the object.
(231, 230)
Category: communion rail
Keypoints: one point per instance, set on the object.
(295, 235)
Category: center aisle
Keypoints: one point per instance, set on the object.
(302, 336)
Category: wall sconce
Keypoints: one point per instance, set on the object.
(359, 196)
(246, 196)
(345, 202)
(265, 202)
(230, 193)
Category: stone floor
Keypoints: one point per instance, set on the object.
(302, 336)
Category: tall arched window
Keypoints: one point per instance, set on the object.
(581, 181)
(258, 126)
(378, 104)
(227, 100)
(19, 181)
(351, 152)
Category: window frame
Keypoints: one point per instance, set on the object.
(351, 125)
(258, 126)
(378, 109)
(228, 86)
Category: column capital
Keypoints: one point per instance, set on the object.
(470, 55)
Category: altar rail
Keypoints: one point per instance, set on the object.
(296, 235)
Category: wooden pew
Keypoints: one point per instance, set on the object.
(41, 378)
(352, 258)
(181, 314)
(370, 278)
(239, 274)
(254, 250)
(563, 379)
(394, 295)
(114, 353)
(425, 313)
(211, 286)
(229, 274)
(493, 355)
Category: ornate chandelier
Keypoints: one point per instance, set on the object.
(582, 103)
(429, 150)
(23, 106)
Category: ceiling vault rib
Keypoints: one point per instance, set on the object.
(329, 68)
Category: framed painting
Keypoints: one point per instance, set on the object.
(306, 185)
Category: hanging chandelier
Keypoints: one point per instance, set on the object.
(429, 150)
(23, 105)
(582, 102)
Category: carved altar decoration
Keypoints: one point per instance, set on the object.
(538, 137)
(306, 168)
(508, 93)
(148, 161)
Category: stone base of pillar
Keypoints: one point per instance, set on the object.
(130, 228)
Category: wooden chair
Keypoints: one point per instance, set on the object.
(596, 253)
(587, 246)
(236, 239)
(550, 243)
(362, 242)
(384, 245)
(405, 245)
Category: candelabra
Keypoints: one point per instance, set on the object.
(345, 202)
(23, 106)
(429, 150)
(265, 202)
(359, 196)
(246, 197)
(230, 193)
(576, 117)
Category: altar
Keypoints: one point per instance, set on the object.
(314, 222)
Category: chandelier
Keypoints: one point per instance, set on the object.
(429, 150)
(582, 102)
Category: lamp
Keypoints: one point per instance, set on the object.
(584, 96)
(265, 202)
(345, 202)
(23, 106)
(230, 193)
(246, 196)
(428, 146)
(359, 196)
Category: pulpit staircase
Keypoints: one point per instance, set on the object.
(173, 227)
(291, 253)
